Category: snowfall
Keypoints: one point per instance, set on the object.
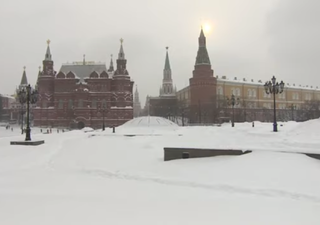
(96, 177)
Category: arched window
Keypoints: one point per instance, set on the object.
(70, 104)
(94, 103)
(103, 103)
(238, 92)
(80, 103)
(249, 93)
(60, 106)
(114, 101)
(220, 91)
(254, 93)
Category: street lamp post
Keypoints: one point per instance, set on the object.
(293, 107)
(103, 111)
(29, 96)
(199, 111)
(182, 115)
(22, 114)
(273, 87)
(233, 101)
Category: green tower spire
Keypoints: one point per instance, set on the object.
(202, 55)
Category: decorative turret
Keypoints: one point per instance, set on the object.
(111, 68)
(121, 62)
(48, 53)
(136, 95)
(39, 74)
(47, 62)
(167, 87)
(121, 52)
(24, 80)
(45, 81)
(202, 55)
(167, 62)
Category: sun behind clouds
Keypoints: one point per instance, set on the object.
(206, 28)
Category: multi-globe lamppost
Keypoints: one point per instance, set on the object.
(28, 95)
(292, 107)
(103, 112)
(273, 87)
(233, 101)
(22, 112)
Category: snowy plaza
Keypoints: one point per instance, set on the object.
(93, 177)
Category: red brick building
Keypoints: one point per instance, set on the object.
(84, 94)
(8, 112)
(203, 84)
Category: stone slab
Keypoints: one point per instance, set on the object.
(27, 143)
(180, 153)
(172, 153)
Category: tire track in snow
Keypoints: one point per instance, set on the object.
(231, 189)
(61, 144)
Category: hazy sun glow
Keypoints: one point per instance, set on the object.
(206, 28)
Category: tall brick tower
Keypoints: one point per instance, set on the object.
(122, 87)
(46, 81)
(202, 86)
(167, 86)
(45, 85)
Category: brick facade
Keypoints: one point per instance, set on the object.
(202, 84)
(84, 94)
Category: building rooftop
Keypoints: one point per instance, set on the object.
(82, 70)
(261, 82)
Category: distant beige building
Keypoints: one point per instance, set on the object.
(252, 94)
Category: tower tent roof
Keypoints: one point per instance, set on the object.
(202, 55)
(24, 80)
(48, 56)
(121, 52)
(167, 62)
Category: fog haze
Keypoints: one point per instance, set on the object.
(254, 39)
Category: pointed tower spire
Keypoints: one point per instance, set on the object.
(121, 52)
(48, 53)
(111, 69)
(24, 81)
(136, 95)
(167, 62)
(39, 74)
(136, 103)
(47, 63)
(202, 55)
(167, 87)
(121, 62)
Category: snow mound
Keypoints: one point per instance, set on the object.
(87, 129)
(149, 121)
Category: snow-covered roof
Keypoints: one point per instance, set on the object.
(82, 71)
(149, 121)
(245, 81)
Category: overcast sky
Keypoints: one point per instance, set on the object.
(251, 39)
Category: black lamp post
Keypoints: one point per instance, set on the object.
(182, 115)
(293, 107)
(233, 101)
(103, 123)
(199, 111)
(22, 114)
(273, 87)
(29, 96)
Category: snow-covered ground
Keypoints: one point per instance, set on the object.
(94, 177)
